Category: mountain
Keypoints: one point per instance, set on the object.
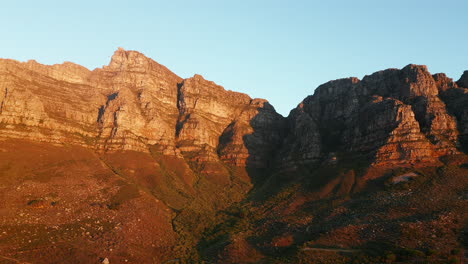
(371, 171)
(133, 163)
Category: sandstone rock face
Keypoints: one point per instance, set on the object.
(206, 109)
(36, 106)
(134, 103)
(225, 125)
(127, 105)
(140, 107)
(174, 140)
(217, 127)
(455, 95)
(390, 117)
(388, 130)
(253, 137)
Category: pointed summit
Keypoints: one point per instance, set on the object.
(463, 82)
(134, 61)
(123, 59)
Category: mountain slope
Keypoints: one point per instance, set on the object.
(371, 171)
(133, 163)
(145, 133)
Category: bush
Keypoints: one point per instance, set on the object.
(431, 252)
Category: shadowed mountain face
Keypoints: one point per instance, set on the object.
(390, 117)
(133, 163)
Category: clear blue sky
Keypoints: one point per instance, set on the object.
(278, 50)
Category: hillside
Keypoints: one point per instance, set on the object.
(133, 163)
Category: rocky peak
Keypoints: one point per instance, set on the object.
(410, 82)
(443, 82)
(463, 82)
(261, 103)
(387, 112)
(136, 103)
(198, 77)
(336, 88)
(135, 62)
(418, 80)
(126, 60)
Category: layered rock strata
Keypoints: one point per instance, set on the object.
(394, 116)
(390, 117)
(134, 103)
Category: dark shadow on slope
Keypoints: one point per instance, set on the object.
(263, 144)
(378, 212)
(456, 100)
(253, 142)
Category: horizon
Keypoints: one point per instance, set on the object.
(268, 49)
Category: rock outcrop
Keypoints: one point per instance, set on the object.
(134, 103)
(392, 117)
(455, 95)
(225, 126)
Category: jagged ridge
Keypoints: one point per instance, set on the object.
(392, 117)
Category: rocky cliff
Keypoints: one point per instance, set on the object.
(129, 138)
(133, 162)
(369, 171)
(132, 104)
(392, 117)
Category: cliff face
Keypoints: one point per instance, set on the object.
(223, 127)
(131, 104)
(110, 108)
(133, 135)
(129, 131)
(362, 159)
(456, 97)
(392, 117)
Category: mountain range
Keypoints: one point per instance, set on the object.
(133, 163)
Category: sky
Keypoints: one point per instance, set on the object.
(277, 50)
